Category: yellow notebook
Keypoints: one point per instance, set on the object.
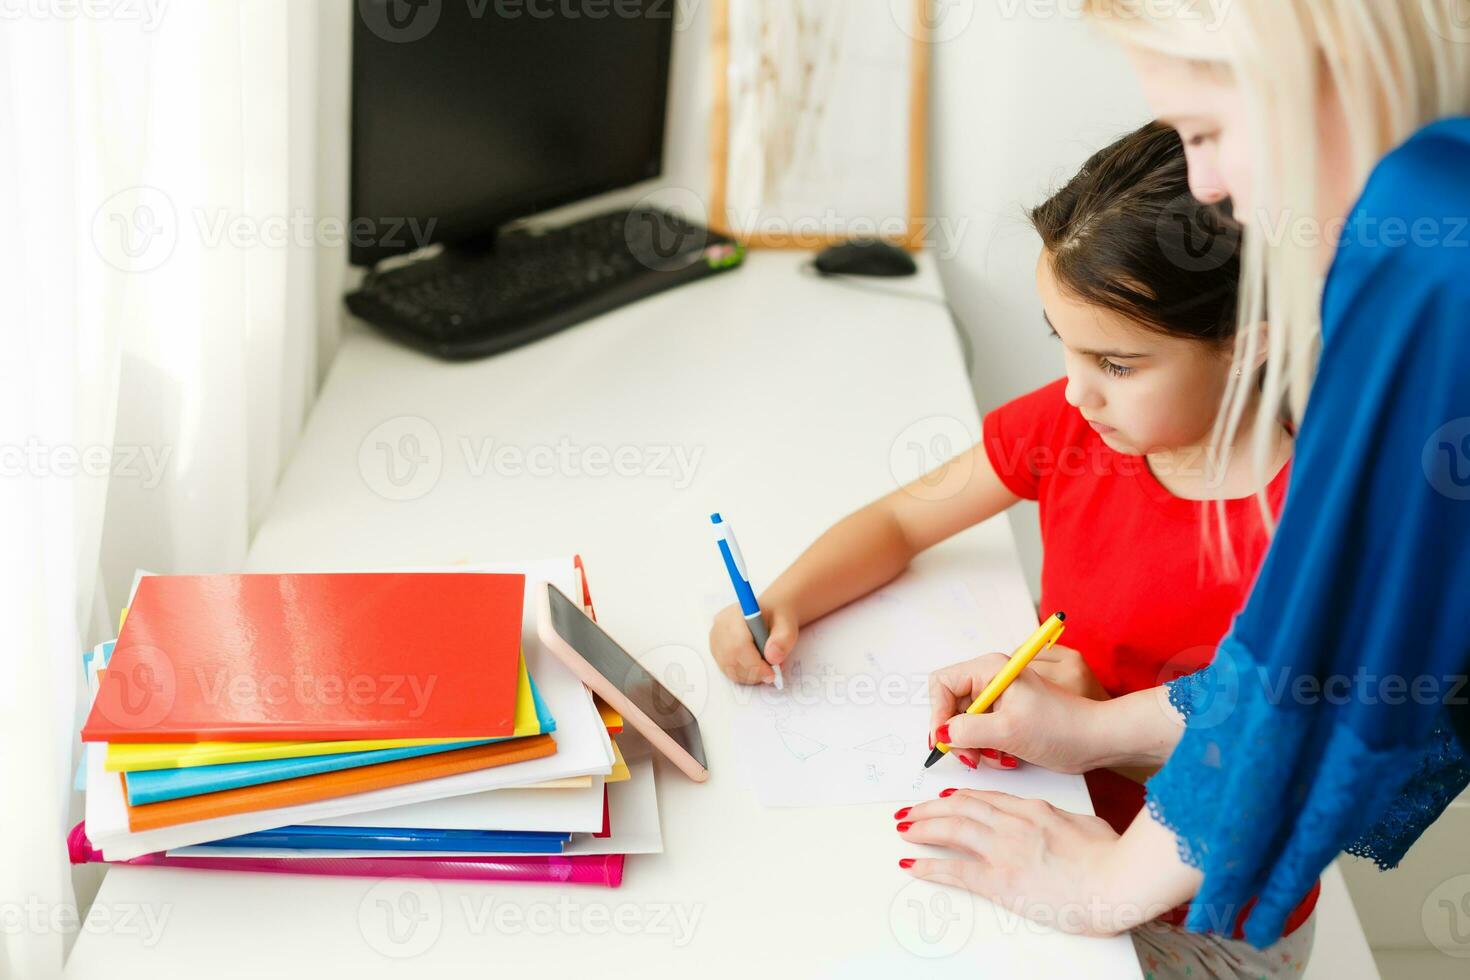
(620, 767)
(179, 755)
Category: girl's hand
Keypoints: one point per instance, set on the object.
(1066, 668)
(735, 652)
(1045, 864)
(1034, 719)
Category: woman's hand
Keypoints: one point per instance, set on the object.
(1066, 668)
(735, 652)
(1039, 862)
(1035, 719)
(1054, 867)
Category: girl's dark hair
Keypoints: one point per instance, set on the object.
(1127, 235)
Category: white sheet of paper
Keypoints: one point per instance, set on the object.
(852, 725)
(583, 748)
(632, 807)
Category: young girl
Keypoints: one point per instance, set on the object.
(1138, 283)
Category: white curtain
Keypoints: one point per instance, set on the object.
(172, 189)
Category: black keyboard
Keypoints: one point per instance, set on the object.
(460, 305)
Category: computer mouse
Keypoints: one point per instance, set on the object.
(865, 257)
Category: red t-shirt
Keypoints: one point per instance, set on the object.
(1147, 599)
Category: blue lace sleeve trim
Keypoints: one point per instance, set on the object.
(1191, 689)
(1442, 773)
(1263, 792)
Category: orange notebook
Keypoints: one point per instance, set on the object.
(267, 658)
(330, 785)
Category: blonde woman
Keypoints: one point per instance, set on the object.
(1335, 715)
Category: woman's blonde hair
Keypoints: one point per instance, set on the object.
(1396, 64)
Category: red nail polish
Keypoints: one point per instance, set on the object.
(931, 740)
(941, 734)
(990, 753)
(906, 863)
(904, 826)
(1009, 762)
(902, 813)
(968, 763)
(948, 792)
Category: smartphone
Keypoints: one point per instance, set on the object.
(597, 660)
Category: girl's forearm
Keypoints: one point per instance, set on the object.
(856, 555)
(1145, 876)
(871, 547)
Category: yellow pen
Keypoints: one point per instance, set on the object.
(1046, 634)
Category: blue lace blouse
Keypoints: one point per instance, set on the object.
(1329, 719)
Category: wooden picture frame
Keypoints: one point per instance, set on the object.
(907, 191)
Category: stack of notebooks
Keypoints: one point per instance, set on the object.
(355, 724)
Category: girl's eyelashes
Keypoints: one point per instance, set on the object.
(1199, 139)
(1107, 364)
(1110, 366)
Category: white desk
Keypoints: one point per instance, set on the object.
(793, 396)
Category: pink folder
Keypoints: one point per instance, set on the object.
(579, 869)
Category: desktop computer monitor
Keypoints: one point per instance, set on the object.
(468, 114)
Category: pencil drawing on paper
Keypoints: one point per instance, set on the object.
(799, 745)
(887, 745)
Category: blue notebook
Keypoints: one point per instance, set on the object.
(395, 839)
(157, 785)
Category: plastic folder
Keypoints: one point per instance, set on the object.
(533, 717)
(157, 785)
(401, 839)
(330, 785)
(321, 657)
(581, 869)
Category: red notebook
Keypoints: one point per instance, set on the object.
(254, 658)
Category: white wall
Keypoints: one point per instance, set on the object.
(1019, 100)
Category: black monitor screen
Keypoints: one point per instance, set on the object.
(467, 114)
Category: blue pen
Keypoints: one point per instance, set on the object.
(740, 578)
